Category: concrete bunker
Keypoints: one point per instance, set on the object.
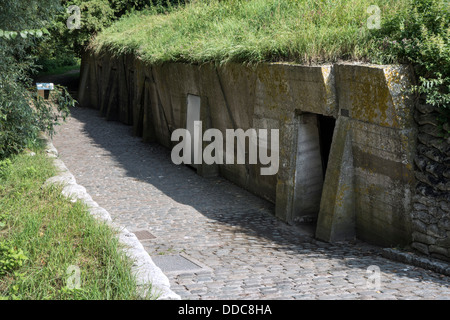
(346, 132)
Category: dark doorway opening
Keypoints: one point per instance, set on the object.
(326, 129)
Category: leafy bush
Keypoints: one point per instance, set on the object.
(17, 122)
(51, 59)
(22, 113)
(421, 37)
(95, 16)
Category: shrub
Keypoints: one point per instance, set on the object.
(421, 37)
(22, 114)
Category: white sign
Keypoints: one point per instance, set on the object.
(45, 86)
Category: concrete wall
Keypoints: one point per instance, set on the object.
(367, 189)
(370, 180)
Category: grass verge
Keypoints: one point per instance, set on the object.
(44, 236)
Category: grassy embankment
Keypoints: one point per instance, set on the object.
(43, 234)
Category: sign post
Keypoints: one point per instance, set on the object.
(44, 89)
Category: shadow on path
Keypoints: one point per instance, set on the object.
(226, 203)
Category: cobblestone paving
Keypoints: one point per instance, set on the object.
(244, 251)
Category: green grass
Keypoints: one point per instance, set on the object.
(54, 234)
(303, 31)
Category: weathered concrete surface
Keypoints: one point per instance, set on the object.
(337, 209)
(371, 184)
(233, 96)
(309, 171)
(367, 193)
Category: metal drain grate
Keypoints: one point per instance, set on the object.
(144, 235)
(178, 264)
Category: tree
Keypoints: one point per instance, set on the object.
(22, 116)
(95, 16)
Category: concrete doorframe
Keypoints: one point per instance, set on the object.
(308, 178)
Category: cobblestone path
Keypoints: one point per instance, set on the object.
(240, 249)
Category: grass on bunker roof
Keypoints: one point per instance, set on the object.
(304, 31)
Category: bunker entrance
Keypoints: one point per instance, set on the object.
(326, 129)
(314, 138)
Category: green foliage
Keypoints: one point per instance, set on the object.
(10, 258)
(122, 7)
(53, 59)
(247, 31)
(55, 233)
(22, 114)
(4, 169)
(48, 113)
(18, 15)
(62, 47)
(95, 16)
(72, 293)
(17, 123)
(24, 33)
(420, 36)
(4, 216)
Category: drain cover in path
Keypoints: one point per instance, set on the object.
(144, 235)
(178, 264)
